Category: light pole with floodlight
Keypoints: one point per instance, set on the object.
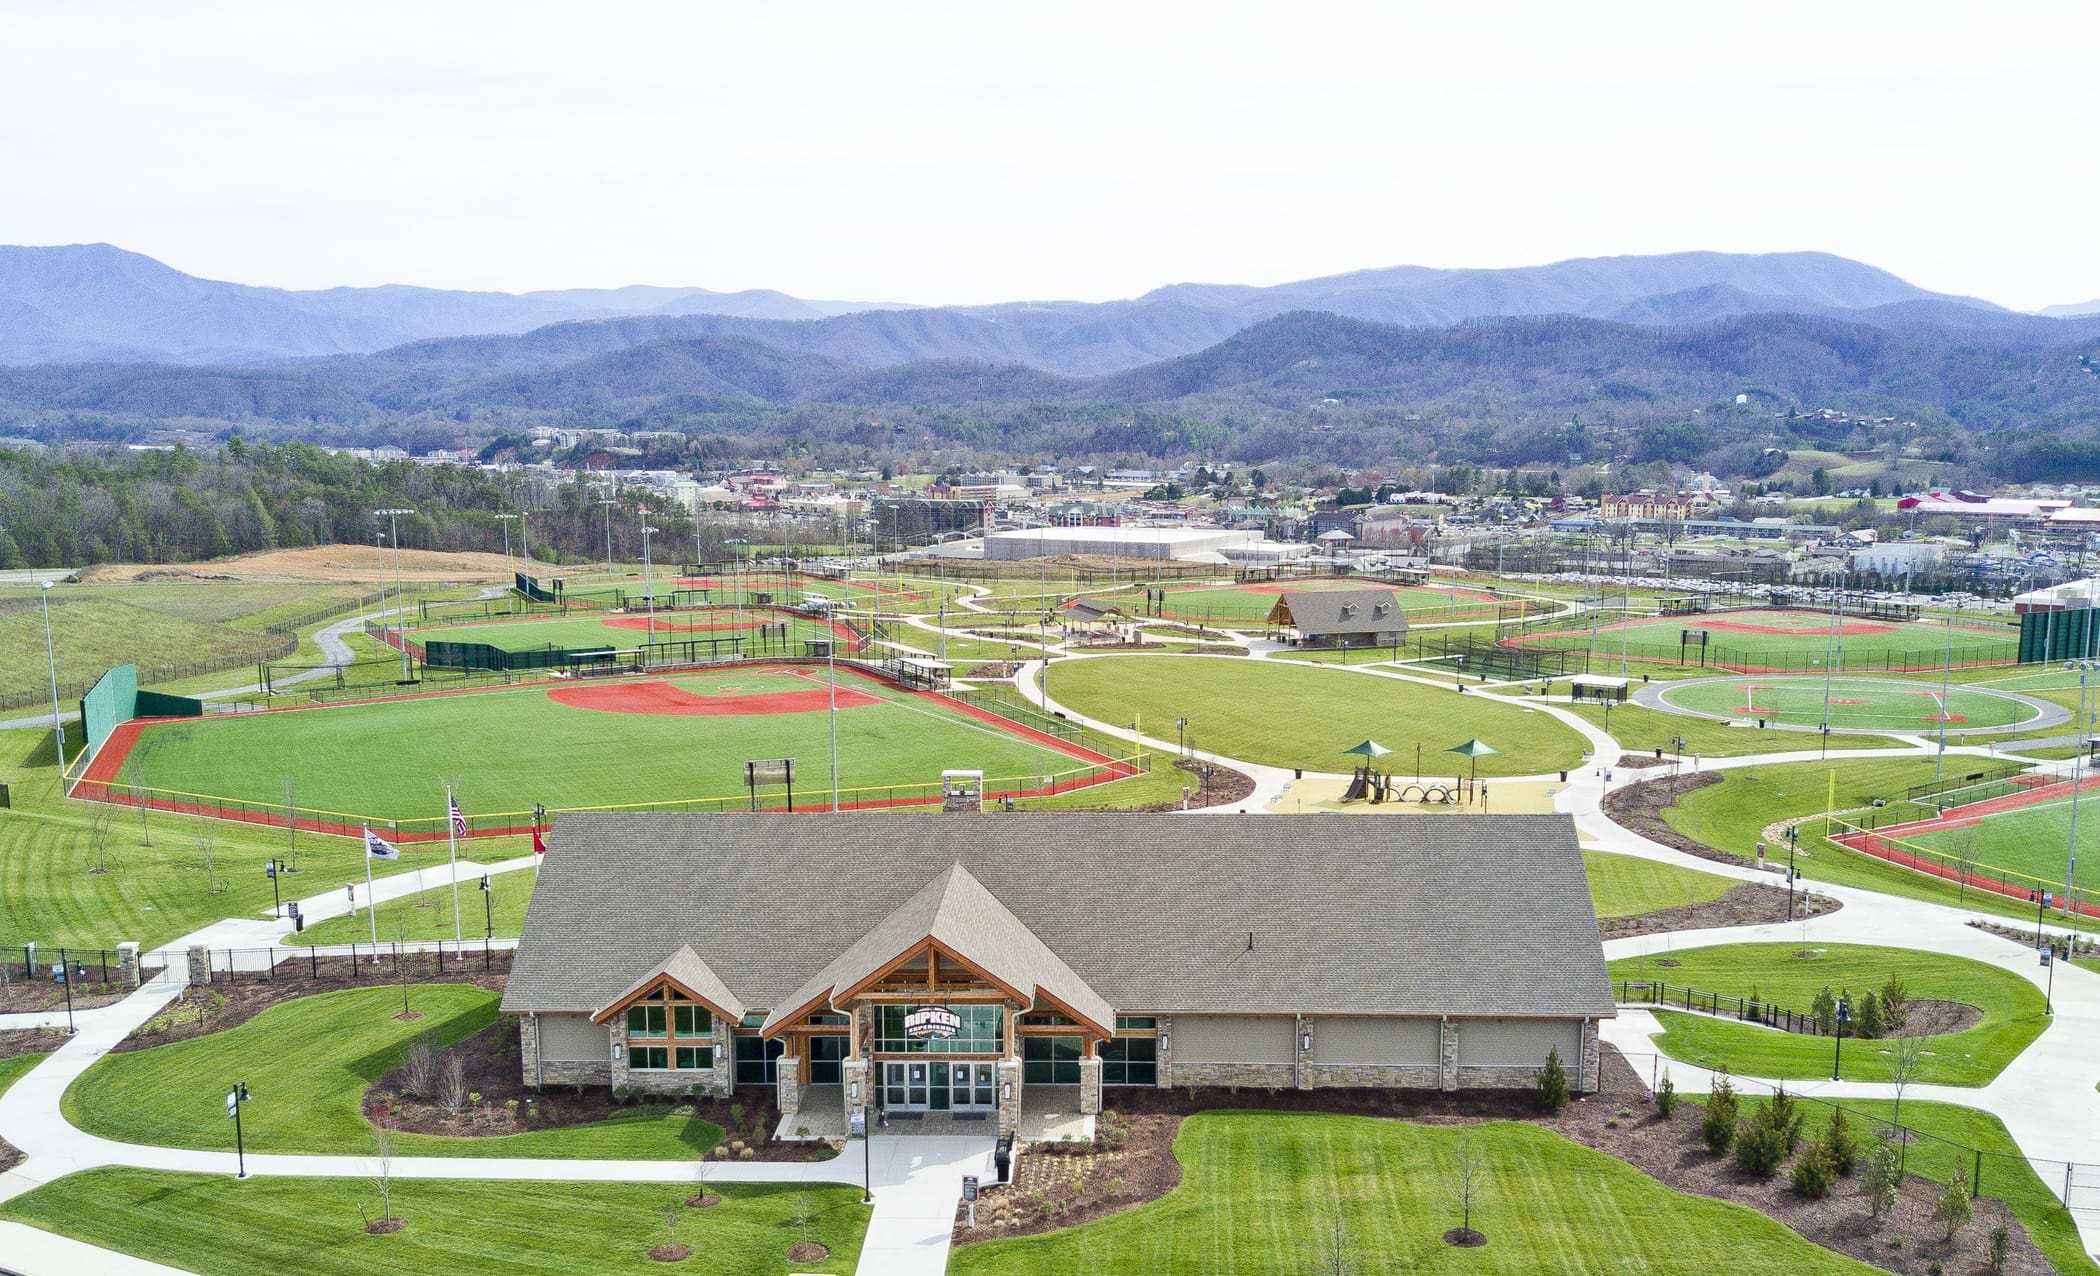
(393, 526)
(608, 502)
(511, 594)
(2084, 669)
(648, 594)
(1844, 1020)
(234, 1099)
(58, 726)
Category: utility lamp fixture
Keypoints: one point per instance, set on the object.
(853, 1093)
(618, 1050)
(1006, 1092)
(1305, 1042)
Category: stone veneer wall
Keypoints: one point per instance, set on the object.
(536, 1072)
(1420, 1076)
(1265, 1076)
(1090, 1085)
(787, 1084)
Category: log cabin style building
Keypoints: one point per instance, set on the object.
(919, 963)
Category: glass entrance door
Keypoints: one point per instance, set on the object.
(970, 1087)
(905, 1086)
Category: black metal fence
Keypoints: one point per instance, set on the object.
(1748, 660)
(357, 963)
(35, 963)
(1745, 1009)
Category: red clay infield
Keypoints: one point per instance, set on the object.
(663, 698)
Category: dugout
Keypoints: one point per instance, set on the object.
(1597, 687)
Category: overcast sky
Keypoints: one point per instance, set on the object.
(985, 152)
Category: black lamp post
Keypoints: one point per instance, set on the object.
(2049, 995)
(2041, 904)
(271, 868)
(1181, 728)
(488, 902)
(1844, 1019)
(234, 1099)
(1793, 842)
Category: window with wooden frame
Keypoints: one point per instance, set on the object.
(665, 1032)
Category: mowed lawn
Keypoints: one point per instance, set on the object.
(2034, 840)
(1777, 974)
(217, 1226)
(13, 1070)
(57, 888)
(1732, 815)
(1796, 639)
(1293, 715)
(428, 914)
(1258, 1190)
(1627, 885)
(505, 749)
(1872, 704)
(308, 1063)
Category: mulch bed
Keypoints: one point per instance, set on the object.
(1639, 808)
(10, 1156)
(1058, 1186)
(230, 1001)
(670, 1253)
(1671, 1152)
(1750, 904)
(29, 996)
(808, 1252)
(507, 1105)
(2083, 945)
(1227, 786)
(20, 1041)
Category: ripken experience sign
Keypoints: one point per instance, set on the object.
(932, 1021)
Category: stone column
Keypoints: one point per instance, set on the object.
(1090, 1085)
(787, 1084)
(618, 1048)
(721, 1079)
(1166, 1054)
(1591, 1074)
(200, 965)
(1447, 1055)
(859, 1071)
(1301, 1052)
(1008, 1074)
(128, 963)
(529, 1050)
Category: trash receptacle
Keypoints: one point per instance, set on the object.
(1003, 1156)
(1658, 753)
(1564, 777)
(1298, 773)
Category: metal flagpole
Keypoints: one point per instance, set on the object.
(452, 837)
(371, 904)
(831, 649)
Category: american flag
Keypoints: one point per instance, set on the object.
(459, 819)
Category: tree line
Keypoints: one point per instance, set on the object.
(75, 506)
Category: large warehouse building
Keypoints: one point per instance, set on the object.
(1165, 543)
(956, 963)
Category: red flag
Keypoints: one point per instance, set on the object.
(539, 845)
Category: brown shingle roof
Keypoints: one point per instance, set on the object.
(1472, 915)
(1340, 611)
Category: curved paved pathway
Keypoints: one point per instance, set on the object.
(2045, 1096)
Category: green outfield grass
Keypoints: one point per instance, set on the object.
(1777, 974)
(308, 1063)
(1249, 604)
(1293, 715)
(1731, 815)
(1788, 639)
(1869, 704)
(1642, 730)
(2034, 840)
(1257, 1189)
(628, 631)
(217, 1226)
(427, 914)
(1627, 885)
(58, 889)
(505, 749)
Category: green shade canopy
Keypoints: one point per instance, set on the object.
(1475, 748)
(1370, 749)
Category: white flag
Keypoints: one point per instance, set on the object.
(378, 848)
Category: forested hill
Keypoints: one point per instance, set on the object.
(110, 505)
